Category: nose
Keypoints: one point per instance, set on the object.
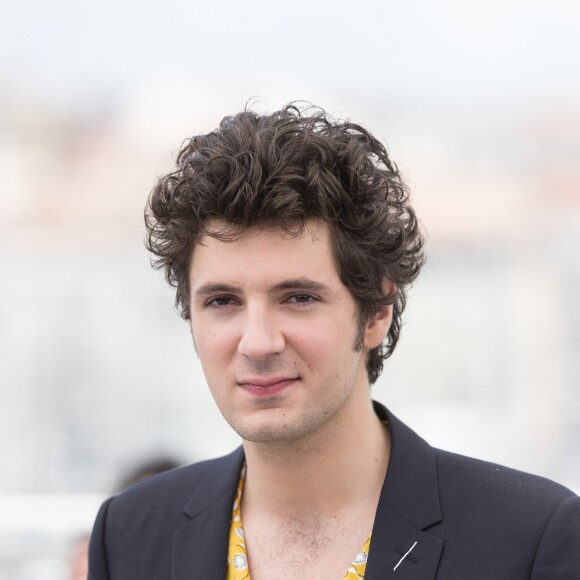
(261, 336)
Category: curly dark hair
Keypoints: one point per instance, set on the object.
(283, 169)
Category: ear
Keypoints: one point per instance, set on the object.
(378, 326)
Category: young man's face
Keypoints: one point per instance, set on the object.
(275, 331)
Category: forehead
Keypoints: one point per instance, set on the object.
(265, 252)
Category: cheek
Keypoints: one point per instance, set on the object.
(214, 345)
(316, 344)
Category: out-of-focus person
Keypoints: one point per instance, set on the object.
(79, 563)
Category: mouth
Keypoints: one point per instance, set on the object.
(266, 387)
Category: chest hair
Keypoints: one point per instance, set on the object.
(309, 546)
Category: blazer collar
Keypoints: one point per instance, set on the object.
(408, 505)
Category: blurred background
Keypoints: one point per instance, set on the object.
(478, 103)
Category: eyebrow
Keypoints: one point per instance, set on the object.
(301, 284)
(213, 288)
(304, 284)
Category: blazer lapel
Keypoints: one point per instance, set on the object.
(200, 548)
(401, 549)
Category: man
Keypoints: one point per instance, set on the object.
(291, 243)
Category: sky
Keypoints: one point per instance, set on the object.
(79, 53)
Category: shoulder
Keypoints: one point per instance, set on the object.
(502, 499)
(518, 520)
(133, 533)
(176, 486)
(177, 480)
(167, 500)
(466, 475)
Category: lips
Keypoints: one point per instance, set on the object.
(266, 387)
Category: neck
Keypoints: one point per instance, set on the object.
(341, 466)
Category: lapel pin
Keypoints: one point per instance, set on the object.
(405, 555)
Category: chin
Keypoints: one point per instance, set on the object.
(262, 433)
(276, 433)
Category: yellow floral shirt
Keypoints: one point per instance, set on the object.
(238, 561)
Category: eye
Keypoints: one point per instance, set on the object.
(302, 299)
(221, 302)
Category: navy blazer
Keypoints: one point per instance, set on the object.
(440, 516)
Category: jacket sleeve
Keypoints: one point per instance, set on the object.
(98, 567)
(558, 553)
